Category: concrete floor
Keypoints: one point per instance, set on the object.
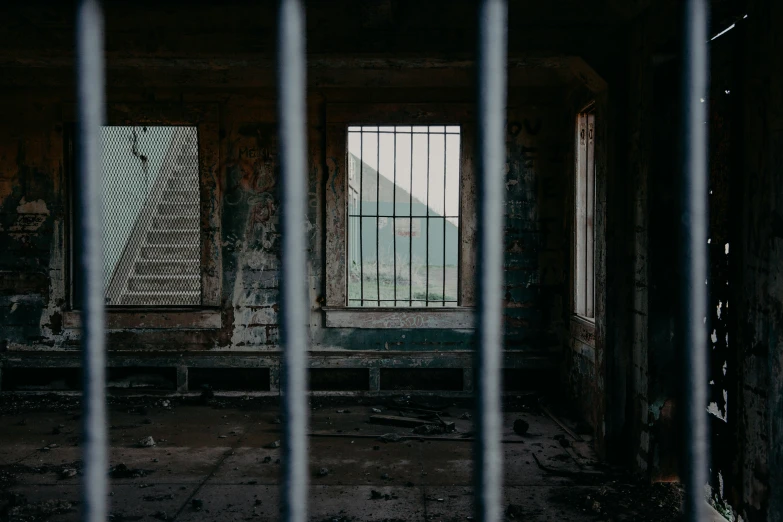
(209, 463)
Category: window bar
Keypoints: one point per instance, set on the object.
(377, 212)
(293, 163)
(445, 162)
(394, 217)
(361, 214)
(491, 160)
(580, 198)
(590, 211)
(459, 220)
(90, 93)
(410, 232)
(427, 245)
(693, 260)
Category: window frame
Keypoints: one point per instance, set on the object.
(584, 216)
(203, 316)
(337, 312)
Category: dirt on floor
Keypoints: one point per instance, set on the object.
(218, 458)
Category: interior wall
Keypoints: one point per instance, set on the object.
(759, 306)
(36, 220)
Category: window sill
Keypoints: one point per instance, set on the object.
(379, 318)
(583, 329)
(151, 319)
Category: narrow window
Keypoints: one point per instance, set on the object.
(151, 215)
(584, 237)
(403, 216)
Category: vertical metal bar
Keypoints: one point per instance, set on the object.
(91, 116)
(459, 219)
(427, 246)
(293, 163)
(394, 216)
(693, 260)
(410, 232)
(377, 214)
(491, 173)
(361, 216)
(445, 162)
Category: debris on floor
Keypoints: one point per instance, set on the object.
(424, 473)
(521, 427)
(67, 473)
(396, 420)
(40, 510)
(147, 442)
(390, 437)
(121, 471)
(158, 498)
(429, 429)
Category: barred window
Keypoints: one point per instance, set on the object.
(584, 237)
(403, 216)
(151, 206)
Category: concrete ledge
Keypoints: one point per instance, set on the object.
(315, 359)
(151, 319)
(375, 361)
(460, 318)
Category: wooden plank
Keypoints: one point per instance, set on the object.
(395, 420)
(151, 320)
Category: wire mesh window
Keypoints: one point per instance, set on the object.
(403, 215)
(151, 202)
(584, 236)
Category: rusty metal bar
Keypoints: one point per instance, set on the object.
(693, 260)
(89, 226)
(491, 174)
(293, 169)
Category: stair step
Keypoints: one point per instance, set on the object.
(187, 159)
(161, 298)
(181, 196)
(175, 223)
(182, 183)
(167, 283)
(171, 252)
(186, 171)
(178, 209)
(173, 237)
(160, 268)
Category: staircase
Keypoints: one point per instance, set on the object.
(161, 262)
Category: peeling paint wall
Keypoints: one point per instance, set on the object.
(35, 221)
(31, 218)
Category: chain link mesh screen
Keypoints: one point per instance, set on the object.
(151, 216)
